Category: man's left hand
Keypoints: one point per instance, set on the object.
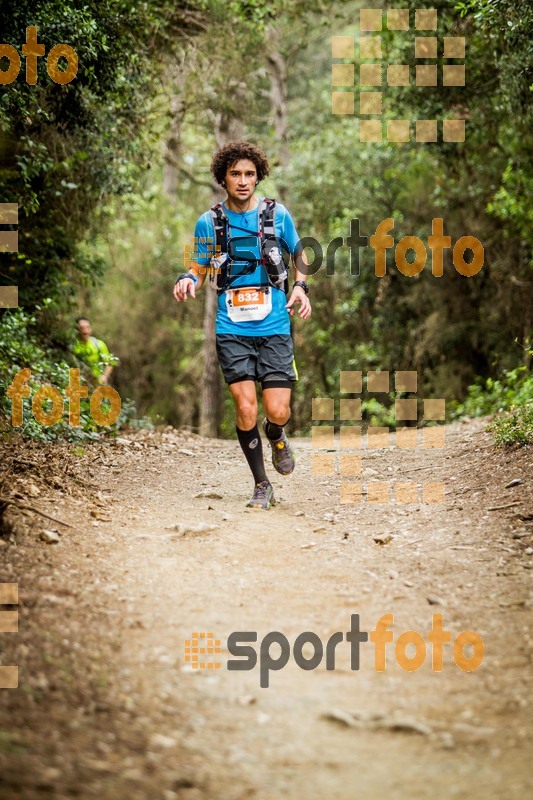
(299, 296)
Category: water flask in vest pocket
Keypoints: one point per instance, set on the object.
(217, 263)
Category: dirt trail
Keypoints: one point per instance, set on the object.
(108, 708)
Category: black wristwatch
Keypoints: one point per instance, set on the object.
(303, 285)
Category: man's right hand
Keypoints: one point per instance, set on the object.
(184, 287)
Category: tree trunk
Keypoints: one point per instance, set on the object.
(210, 411)
(278, 97)
(172, 154)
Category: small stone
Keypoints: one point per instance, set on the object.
(209, 494)
(158, 741)
(321, 529)
(342, 717)
(132, 774)
(40, 682)
(393, 574)
(299, 514)
(51, 774)
(406, 725)
(183, 528)
(246, 700)
(383, 538)
(514, 482)
(185, 452)
(50, 537)
(409, 584)
(434, 600)
(446, 740)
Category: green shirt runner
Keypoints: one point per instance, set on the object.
(92, 352)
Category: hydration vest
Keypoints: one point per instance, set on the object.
(274, 257)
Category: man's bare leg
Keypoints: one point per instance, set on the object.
(276, 403)
(245, 399)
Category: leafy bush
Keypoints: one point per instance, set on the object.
(514, 427)
(19, 349)
(512, 394)
(514, 388)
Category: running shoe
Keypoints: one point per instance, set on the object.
(283, 458)
(263, 496)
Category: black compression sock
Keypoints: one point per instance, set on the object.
(250, 441)
(273, 431)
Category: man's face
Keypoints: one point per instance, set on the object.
(84, 329)
(240, 180)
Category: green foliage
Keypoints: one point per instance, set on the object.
(511, 394)
(85, 163)
(19, 349)
(158, 341)
(450, 329)
(514, 427)
(513, 388)
(64, 148)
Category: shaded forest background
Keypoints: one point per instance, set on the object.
(112, 170)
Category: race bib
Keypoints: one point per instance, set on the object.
(248, 303)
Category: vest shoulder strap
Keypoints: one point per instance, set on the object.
(94, 340)
(219, 218)
(220, 226)
(267, 215)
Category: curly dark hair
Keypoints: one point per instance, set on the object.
(235, 151)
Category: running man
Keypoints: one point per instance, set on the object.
(250, 240)
(94, 352)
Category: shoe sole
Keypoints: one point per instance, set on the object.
(261, 508)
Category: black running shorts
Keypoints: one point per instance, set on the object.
(267, 359)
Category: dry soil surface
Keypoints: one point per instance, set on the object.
(107, 705)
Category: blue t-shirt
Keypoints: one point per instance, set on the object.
(240, 225)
